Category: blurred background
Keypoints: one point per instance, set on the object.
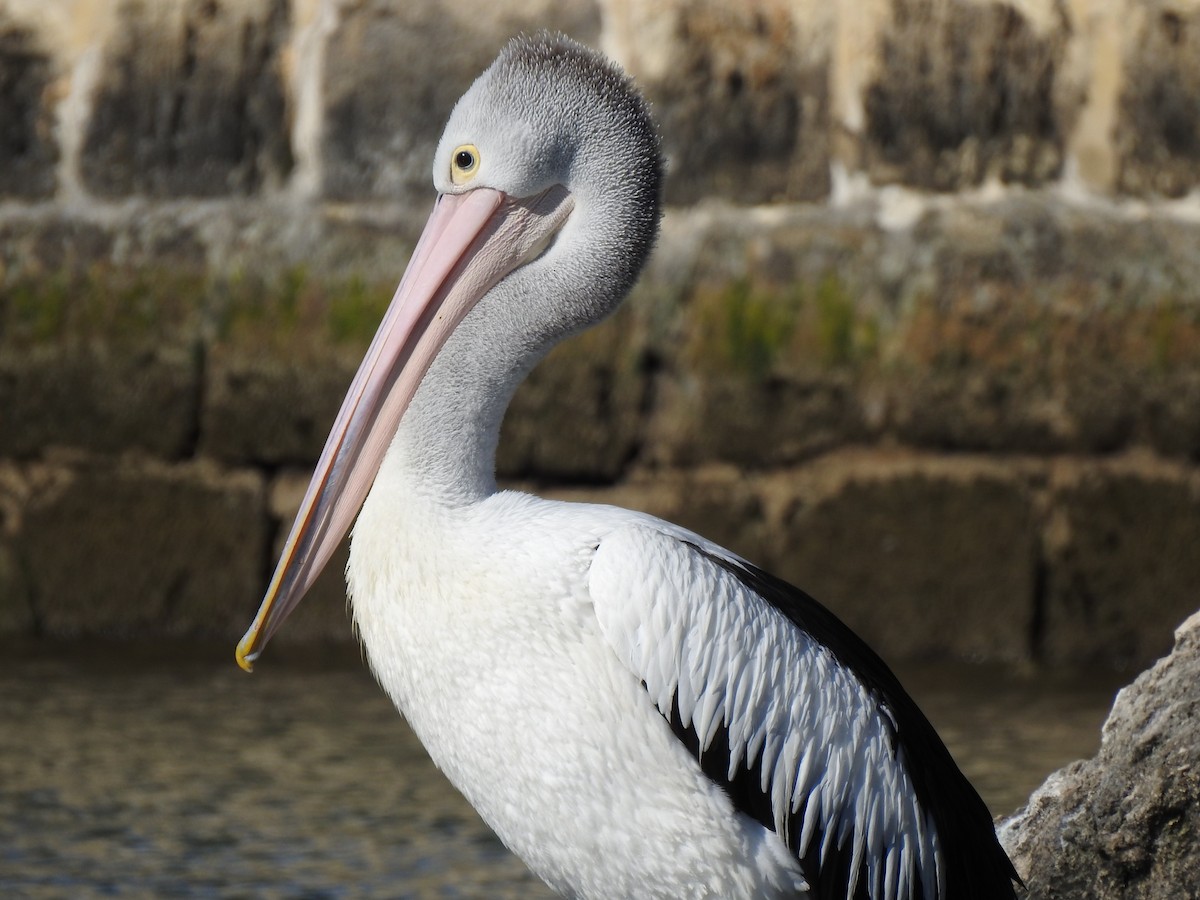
(921, 335)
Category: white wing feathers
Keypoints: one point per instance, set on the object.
(703, 641)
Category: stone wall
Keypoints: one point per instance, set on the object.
(921, 334)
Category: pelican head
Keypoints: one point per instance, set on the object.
(549, 179)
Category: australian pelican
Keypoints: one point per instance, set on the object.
(636, 711)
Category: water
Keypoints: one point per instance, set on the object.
(127, 773)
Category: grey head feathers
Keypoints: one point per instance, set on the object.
(548, 114)
(552, 111)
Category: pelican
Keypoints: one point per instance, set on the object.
(634, 710)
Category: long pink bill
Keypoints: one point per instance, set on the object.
(470, 242)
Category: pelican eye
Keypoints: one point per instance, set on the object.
(464, 164)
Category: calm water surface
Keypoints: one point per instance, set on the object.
(125, 773)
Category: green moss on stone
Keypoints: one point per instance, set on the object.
(285, 312)
(836, 321)
(1165, 327)
(36, 312)
(743, 328)
(355, 311)
(757, 326)
(755, 329)
(293, 312)
(103, 303)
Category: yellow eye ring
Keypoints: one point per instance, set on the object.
(464, 163)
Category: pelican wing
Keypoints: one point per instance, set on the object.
(797, 719)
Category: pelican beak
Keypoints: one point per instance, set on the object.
(471, 241)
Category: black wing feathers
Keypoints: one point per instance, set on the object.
(976, 866)
(828, 881)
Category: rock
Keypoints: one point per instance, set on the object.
(16, 605)
(99, 359)
(1123, 825)
(191, 101)
(754, 422)
(757, 352)
(1172, 412)
(132, 548)
(44, 249)
(28, 149)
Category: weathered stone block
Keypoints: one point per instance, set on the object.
(28, 151)
(931, 560)
(43, 248)
(578, 416)
(1005, 409)
(1124, 823)
(271, 410)
(758, 374)
(136, 548)
(1124, 567)
(191, 101)
(965, 91)
(1020, 330)
(742, 96)
(1158, 130)
(754, 422)
(1172, 411)
(393, 71)
(1032, 406)
(99, 398)
(16, 607)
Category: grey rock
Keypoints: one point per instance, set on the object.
(1172, 412)
(754, 422)
(1125, 823)
(967, 409)
(16, 602)
(46, 248)
(16, 607)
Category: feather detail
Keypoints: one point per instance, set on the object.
(799, 722)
